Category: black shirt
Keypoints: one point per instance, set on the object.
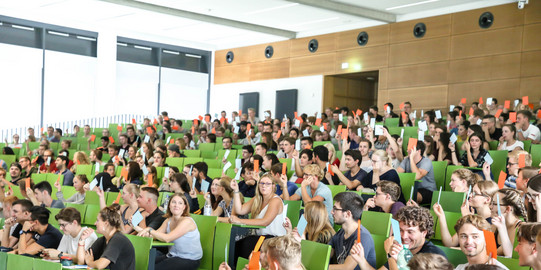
(497, 134)
(50, 238)
(155, 219)
(119, 251)
(18, 230)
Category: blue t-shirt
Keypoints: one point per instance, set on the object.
(360, 176)
(291, 188)
(428, 181)
(342, 246)
(323, 191)
(68, 178)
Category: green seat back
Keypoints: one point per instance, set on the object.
(451, 218)
(287, 161)
(500, 162)
(450, 201)
(527, 147)
(91, 214)
(207, 147)
(191, 160)
(512, 263)
(315, 256)
(67, 191)
(213, 163)
(214, 173)
(241, 263)
(407, 180)
(192, 153)
(209, 154)
(54, 212)
(52, 178)
(493, 145)
(381, 255)
(206, 226)
(535, 151)
(175, 162)
(455, 256)
(391, 122)
(3, 260)
(80, 207)
(38, 177)
(232, 154)
(336, 189)
(8, 159)
(448, 173)
(293, 211)
(221, 244)
(377, 222)
(85, 169)
(46, 265)
(142, 246)
(110, 198)
(91, 197)
(19, 262)
(439, 172)
(320, 143)
(161, 198)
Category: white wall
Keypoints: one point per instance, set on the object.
(309, 99)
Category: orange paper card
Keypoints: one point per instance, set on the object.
(284, 168)
(344, 134)
(256, 166)
(471, 112)
(296, 115)
(513, 116)
(111, 139)
(539, 114)
(278, 134)
(92, 137)
(481, 101)
(149, 130)
(119, 128)
(118, 198)
(193, 130)
(318, 122)
(339, 130)
(222, 120)
(150, 179)
(463, 101)
(196, 122)
(412, 143)
(525, 100)
(330, 170)
(58, 179)
(213, 131)
(359, 112)
(248, 127)
(27, 183)
(174, 127)
(507, 104)
(124, 173)
(521, 160)
(283, 124)
(133, 121)
(490, 241)
(401, 106)
(404, 115)
(200, 118)
(325, 125)
(501, 179)
(240, 112)
(498, 113)
(155, 121)
(359, 232)
(172, 141)
(166, 118)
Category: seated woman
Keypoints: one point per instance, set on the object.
(381, 170)
(508, 141)
(79, 182)
(475, 153)
(178, 183)
(480, 199)
(527, 245)
(332, 154)
(113, 250)
(269, 160)
(180, 229)
(266, 209)
(166, 183)
(225, 207)
(386, 198)
(304, 159)
(79, 158)
(463, 179)
(130, 193)
(512, 167)
(134, 174)
(213, 196)
(506, 225)
(443, 153)
(318, 228)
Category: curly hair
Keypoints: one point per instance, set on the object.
(513, 198)
(417, 216)
(284, 249)
(477, 221)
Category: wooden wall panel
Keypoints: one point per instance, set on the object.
(382, 80)
(230, 74)
(274, 69)
(383, 97)
(435, 27)
(421, 97)
(418, 75)
(532, 37)
(501, 89)
(422, 51)
(299, 47)
(531, 64)
(483, 68)
(340, 87)
(311, 65)
(354, 88)
(530, 87)
(532, 12)
(507, 40)
(504, 16)
(281, 51)
(241, 56)
(377, 35)
(370, 58)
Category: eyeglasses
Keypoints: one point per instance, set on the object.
(265, 184)
(511, 163)
(63, 225)
(337, 209)
(473, 194)
(531, 196)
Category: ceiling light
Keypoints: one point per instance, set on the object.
(58, 34)
(171, 52)
(412, 4)
(22, 27)
(122, 44)
(142, 48)
(86, 38)
(345, 65)
(193, 55)
(271, 9)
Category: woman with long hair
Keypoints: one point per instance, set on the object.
(225, 207)
(146, 152)
(462, 180)
(318, 227)
(178, 183)
(213, 195)
(511, 206)
(181, 230)
(443, 152)
(475, 153)
(266, 209)
(130, 193)
(508, 139)
(333, 159)
(79, 158)
(113, 250)
(132, 153)
(382, 169)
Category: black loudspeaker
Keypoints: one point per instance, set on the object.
(419, 30)
(362, 38)
(312, 45)
(229, 57)
(269, 51)
(486, 19)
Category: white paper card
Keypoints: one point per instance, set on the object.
(298, 145)
(145, 170)
(284, 213)
(453, 138)
(144, 156)
(147, 139)
(237, 176)
(489, 159)
(448, 123)
(168, 140)
(192, 144)
(238, 163)
(266, 114)
(413, 115)
(226, 154)
(227, 166)
(301, 226)
(292, 164)
(165, 172)
(423, 126)
(438, 114)
(297, 123)
(489, 101)
(421, 136)
(388, 109)
(305, 133)
(516, 102)
(360, 132)
(48, 161)
(237, 119)
(236, 130)
(121, 153)
(479, 121)
(136, 218)
(322, 128)
(378, 130)
(205, 186)
(422, 113)
(340, 117)
(332, 133)
(365, 115)
(402, 134)
(93, 184)
(451, 108)
(318, 115)
(101, 183)
(373, 123)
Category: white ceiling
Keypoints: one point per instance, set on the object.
(227, 23)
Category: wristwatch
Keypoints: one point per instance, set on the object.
(60, 254)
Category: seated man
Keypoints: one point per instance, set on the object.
(39, 230)
(261, 149)
(386, 198)
(148, 200)
(416, 163)
(248, 184)
(354, 175)
(70, 223)
(13, 226)
(416, 226)
(41, 196)
(472, 241)
(62, 166)
(199, 173)
(307, 142)
(284, 188)
(347, 211)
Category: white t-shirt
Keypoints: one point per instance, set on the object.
(531, 133)
(69, 244)
(513, 146)
(463, 266)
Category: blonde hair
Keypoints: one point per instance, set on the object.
(314, 170)
(258, 198)
(283, 249)
(516, 154)
(514, 198)
(429, 261)
(132, 189)
(383, 156)
(467, 175)
(477, 221)
(81, 157)
(488, 188)
(332, 151)
(319, 228)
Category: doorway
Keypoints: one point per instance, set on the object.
(354, 90)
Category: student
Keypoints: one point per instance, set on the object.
(41, 195)
(472, 241)
(318, 228)
(381, 170)
(284, 188)
(527, 131)
(225, 209)
(27, 168)
(505, 226)
(512, 167)
(113, 250)
(312, 189)
(15, 170)
(354, 175)
(79, 183)
(524, 176)
(212, 196)
(475, 153)
(527, 245)
(430, 261)
(288, 148)
(148, 201)
(69, 220)
(305, 158)
(508, 139)
(180, 229)
(179, 184)
(282, 253)
(199, 173)
(416, 163)
(491, 132)
(249, 180)
(13, 225)
(347, 210)
(462, 180)
(386, 198)
(534, 199)
(38, 229)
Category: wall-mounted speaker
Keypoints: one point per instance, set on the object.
(269, 51)
(419, 30)
(362, 38)
(313, 45)
(229, 57)
(486, 19)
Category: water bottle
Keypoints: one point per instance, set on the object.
(207, 210)
(404, 257)
(166, 202)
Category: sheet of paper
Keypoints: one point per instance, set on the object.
(402, 133)
(365, 115)
(121, 153)
(236, 130)
(298, 145)
(227, 166)
(238, 163)
(378, 130)
(489, 159)
(453, 138)
(145, 170)
(305, 133)
(146, 139)
(93, 184)
(396, 230)
(301, 226)
(136, 218)
(297, 123)
(421, 136)
(322, 128)
(489, 101)
(226, 154)
(284, 213)
(205, 186)
(237, 176)
(451, 108)
(340, 117)
(479, 121)
(373, 123)
(292, 164)
(360, 132)
(438, 114)
(165, 172)
(101, 183)
(423, 126)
